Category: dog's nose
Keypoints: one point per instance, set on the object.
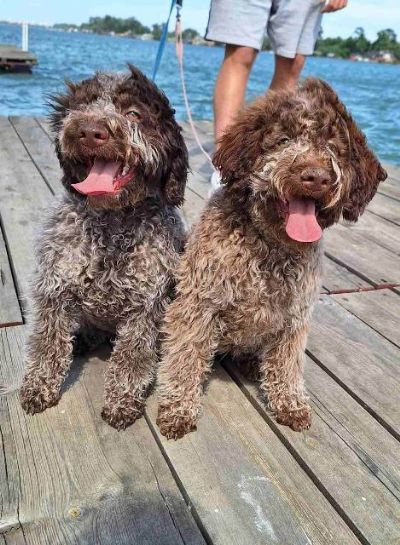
(315, 178)
(93, 135)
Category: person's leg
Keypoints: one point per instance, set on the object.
(287, 72)
(230, 86)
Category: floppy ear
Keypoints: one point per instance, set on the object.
(176, 176)
(367, 173)
(367, 170)
(241, 144)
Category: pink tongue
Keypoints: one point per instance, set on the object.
(100, 180)
(302, 224)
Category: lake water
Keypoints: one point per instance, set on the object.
(371, 91)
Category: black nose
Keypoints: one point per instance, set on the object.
(93, 135)
(315, 178)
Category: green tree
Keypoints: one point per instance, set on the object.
(189, 34)
(362, 44)
(157, 31)
(387, 40)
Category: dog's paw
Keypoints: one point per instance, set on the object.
(173, 425)
(298, 420)
(36, 395)
(122, 416)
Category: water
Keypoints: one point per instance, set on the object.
(371, 91)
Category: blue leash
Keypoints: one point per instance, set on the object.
(163, 41)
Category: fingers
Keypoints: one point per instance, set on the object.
(333, 5)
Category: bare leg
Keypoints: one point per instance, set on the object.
(49, 357)
(131, 371)
(230, 87)
(287, 72)
(188, 355)
(282, 379)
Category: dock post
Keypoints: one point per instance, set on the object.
(25, 37)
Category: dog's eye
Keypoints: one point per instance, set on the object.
(133, 115)
(283, 140)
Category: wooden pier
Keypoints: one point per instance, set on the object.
(67, 478)
(14, 59)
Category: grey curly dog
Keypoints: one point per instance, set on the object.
(107, 251)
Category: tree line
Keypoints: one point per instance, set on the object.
(357, 44)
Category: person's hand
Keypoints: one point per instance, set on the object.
(333, 5)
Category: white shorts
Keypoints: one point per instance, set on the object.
(292, 25)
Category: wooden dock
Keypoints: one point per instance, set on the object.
(14, 59)
(67, 478)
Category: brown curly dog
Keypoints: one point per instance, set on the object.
(107, 250)
(291, 164)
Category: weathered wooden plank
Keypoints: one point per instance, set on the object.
(193, 207)
(385, 207)
(337, 278)
(10, 313)
(24, 196)
(364, 257)
(393, 171)
(379, 230)
(348, 452)
(40, 149)
(243, 484)
(379, 309)
(359, 358)
(390, 188)
(72, 479)
(44, 123)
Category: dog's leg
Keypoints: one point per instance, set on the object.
(188, 355)
(131, 371)
(282, 379)
(48, 356)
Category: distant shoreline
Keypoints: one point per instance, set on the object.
(325, 48)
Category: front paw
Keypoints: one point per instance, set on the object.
(38, 393)
(122, 416)
(174, 425)
(298, 419)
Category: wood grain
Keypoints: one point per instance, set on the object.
(347, 451)
(10, 313)
(242, 482)
(24, 198)
(40, 149)
(385, 207)
(69, 478)
(359, 358)
(364, 257)
(335, 277)
(379, 309)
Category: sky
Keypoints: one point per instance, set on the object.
(372, 15)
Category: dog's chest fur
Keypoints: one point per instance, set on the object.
(258, 286)
(109, 264)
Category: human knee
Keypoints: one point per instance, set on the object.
(241, 55)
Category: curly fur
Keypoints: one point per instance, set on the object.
(244, 286)
(105, 263)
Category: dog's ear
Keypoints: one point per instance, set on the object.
(241, 144)
(175, 178)
(367, 170)
(367, 174)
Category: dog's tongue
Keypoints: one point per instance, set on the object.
(301, 224)
(100, 180)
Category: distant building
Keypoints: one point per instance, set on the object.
(381, 56)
